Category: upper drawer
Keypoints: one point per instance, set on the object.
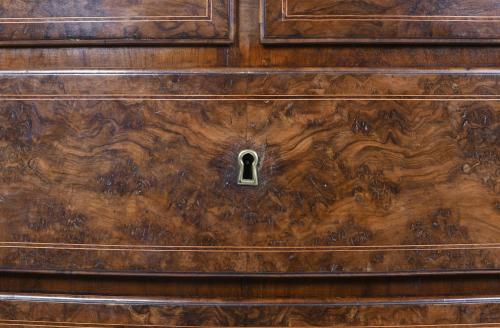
(358, 172)
(31, 22)
(380, 21)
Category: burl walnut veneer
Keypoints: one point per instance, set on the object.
(77, 22)
(224, 163)
(380, 21)
(359, 172)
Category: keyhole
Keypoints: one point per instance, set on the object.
(248, 161)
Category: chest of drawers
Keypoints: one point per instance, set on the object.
(240, 164)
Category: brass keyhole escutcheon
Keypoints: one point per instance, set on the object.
(248, 161)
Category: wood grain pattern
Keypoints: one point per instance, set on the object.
(380, 21)
(248, 51)
(362, 172)
(71, 311)
(26, 22)
(100, 171)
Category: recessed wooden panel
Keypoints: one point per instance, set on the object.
(86, 311)
(27, 22)
(360, 172)
(380, 21)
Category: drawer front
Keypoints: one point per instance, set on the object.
(358, 172)
(68, 311)
(380, 21)
(27, 22)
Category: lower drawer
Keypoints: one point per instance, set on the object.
(68, 311)
(356, 172)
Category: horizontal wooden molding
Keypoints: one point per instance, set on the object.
(87, 311)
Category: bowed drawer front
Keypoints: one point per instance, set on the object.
(29, 22)
(48, 311)
(359, 172)
(376, 21)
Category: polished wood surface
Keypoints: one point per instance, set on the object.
(68, 300)
(27, 22)
(380, 21)
(361, 172)
(249, 52)
(378, 203)
(64, 311)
